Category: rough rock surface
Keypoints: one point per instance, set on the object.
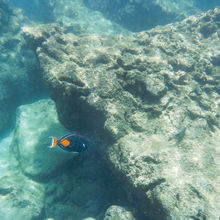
(152, 100)
(118, 213)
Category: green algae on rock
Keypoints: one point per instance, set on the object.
(136, 94)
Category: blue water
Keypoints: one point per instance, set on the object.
(134, 15)
(21, 83)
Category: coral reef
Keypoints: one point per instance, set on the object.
(152, 102)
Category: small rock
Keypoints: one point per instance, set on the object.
(118, 213)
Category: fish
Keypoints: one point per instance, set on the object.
(73, 143)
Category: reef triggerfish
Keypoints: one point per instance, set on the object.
(72, 143)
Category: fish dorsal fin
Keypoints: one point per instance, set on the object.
(64, 137)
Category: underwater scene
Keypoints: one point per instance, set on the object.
(109, 110)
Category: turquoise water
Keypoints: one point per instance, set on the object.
(42, 183)
(4, 146)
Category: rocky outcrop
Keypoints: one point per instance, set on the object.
(152, 102)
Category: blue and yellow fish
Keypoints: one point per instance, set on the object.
(73, 143)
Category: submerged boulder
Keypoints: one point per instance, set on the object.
(35, 123)
(152, 102)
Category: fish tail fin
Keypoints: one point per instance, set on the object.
(53, 143)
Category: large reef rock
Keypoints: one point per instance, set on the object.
(152, 101)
